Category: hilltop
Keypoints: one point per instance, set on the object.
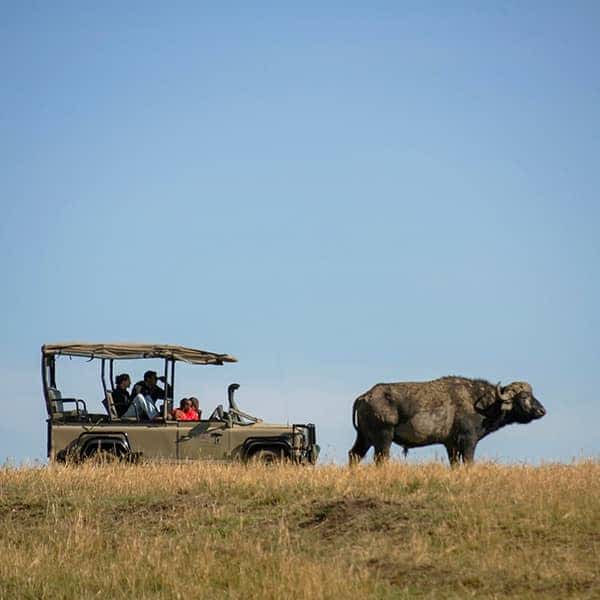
(211, 531)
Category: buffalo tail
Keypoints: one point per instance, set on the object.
(354, 412)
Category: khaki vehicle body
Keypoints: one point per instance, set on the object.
(77, 434)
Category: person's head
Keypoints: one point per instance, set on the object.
(123, 381)
(185, 404)
(150, 378)
(195, 402)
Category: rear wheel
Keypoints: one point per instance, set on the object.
(102, 455)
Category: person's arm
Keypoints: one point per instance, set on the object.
(167, 391)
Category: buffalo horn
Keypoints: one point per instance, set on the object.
(503, 397)
(506, 398)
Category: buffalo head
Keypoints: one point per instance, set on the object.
(518, 398)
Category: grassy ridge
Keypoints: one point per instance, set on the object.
(210, 531)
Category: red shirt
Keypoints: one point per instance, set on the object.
(190, 415)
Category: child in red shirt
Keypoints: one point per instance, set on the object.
(186, 411)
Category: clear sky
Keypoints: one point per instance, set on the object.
(336, 193)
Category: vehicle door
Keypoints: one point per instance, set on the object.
(153, 440)
(202, 439)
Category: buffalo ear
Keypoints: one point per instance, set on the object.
(485, 402)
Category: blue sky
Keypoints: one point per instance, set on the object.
(338, 194)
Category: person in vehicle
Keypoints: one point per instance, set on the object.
(186, 411)
(196, 405)
(121, 395)
(142, 407)
(148, 387)
(144, 397)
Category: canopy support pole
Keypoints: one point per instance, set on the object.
(110, 374)
(45, 362)
(103, 375)
(173, 380)
(166, 402)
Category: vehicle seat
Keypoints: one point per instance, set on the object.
(57, 406)
(55, 398)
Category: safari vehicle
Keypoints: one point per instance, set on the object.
(76, 434)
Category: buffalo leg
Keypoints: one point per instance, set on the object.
(452, 455)
(360, 448)
(468, 452)
(382, 445)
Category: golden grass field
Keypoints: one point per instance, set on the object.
(211, 531)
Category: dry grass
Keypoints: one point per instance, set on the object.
(209, 531)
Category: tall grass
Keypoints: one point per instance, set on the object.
(210, 531)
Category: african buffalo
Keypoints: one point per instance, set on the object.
(454, 411)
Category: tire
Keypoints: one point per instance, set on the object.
(268, 457)
(101, 456)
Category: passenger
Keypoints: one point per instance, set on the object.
(121, 395)
(186, 411)
(144, 396)
(142, 407)
(148, 387)
(196, 405)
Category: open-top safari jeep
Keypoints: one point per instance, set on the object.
(75, 434)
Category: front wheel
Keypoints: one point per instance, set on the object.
(268, 457)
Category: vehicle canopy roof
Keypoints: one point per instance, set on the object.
(122, 351)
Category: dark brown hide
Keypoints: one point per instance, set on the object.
(454, 411)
